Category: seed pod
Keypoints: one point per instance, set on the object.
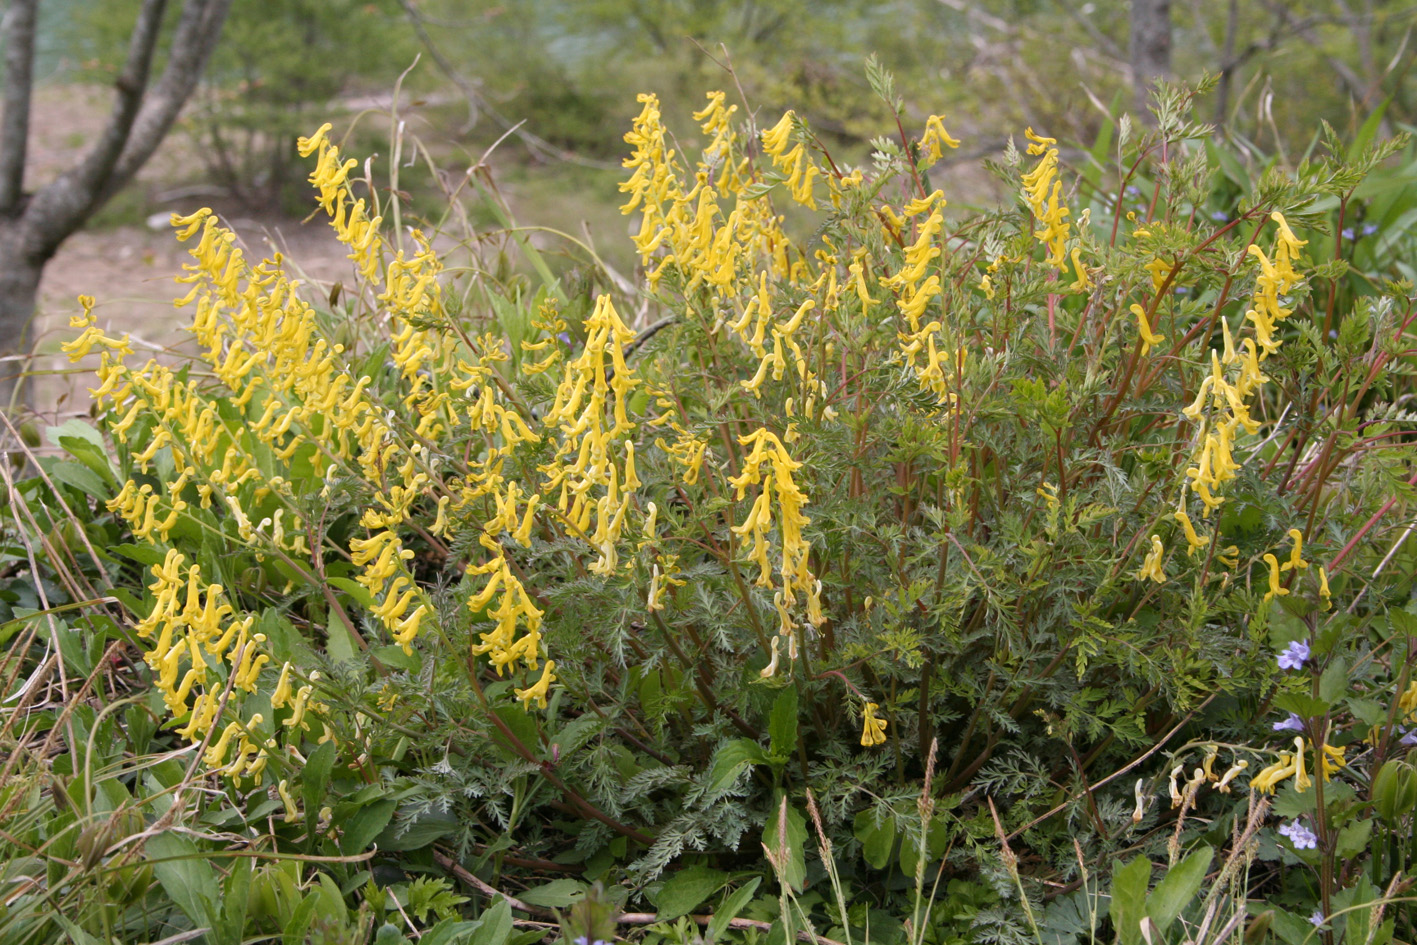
(1394, 791)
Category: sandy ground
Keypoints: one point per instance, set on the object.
(129, 270)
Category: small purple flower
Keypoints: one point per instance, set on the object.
(586, 940)
(1302, 837)
(1220, 216)
(1368, 229)
(1131, 190)
(564, 338)
(1317, 919)
(1409, 738)
(1291, 724)
(1295, 655)
(1348, 233)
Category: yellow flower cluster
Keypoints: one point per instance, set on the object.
(1043, 191)
(941, 375)
(1291, 764)
(769, 465)
(1236, 375)
(683, 222)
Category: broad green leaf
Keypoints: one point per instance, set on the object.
(1334, 680)
(1129, 884)
(876, 840)
(730, 908)
(1178, 887)
(81, 477)
(365, 825)
(730, 759)
(494, 925)
(793, 859)
(782, 725)
(185, 876)
(299, 924)
(339, 642)
(450, 930)
(556, 894)
(315, 779)
(686, 889)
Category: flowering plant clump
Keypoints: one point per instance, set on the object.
(898, 498)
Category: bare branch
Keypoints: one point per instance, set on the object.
(18, 30)
(192, 45)
(91, 175)
(141, 117)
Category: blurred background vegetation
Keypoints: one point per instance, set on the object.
(561, 77)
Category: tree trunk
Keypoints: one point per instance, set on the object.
(19, 288)
(1150, 47)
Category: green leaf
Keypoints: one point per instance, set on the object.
(80, 477)
(1353, 839)
(448, 931)
(1129, 885)
(1178, 887)
(299, 924)
(556, 894)
(793, 860)
(316, 777)
(730, 908)
(782, 725)
(1333, 681)
(876, 840)
(1301, 705)
(185, 875)
(339, 642)
(686, 889)
(730, 759)
(494, 925)
(365, 825)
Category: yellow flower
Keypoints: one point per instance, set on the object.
(1148, 337)
(1295, 555)
(935, 136)
(1323, 588)
(1151, 567)
(537, 693)
(1195, 541)
(873, 730)
(1274, 589)
(1268, 779)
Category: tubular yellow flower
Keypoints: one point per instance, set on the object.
(1267, 780)
(873, 729)
(1151, 567)
(1323, 588)
(538, 692)
(1296, 559)
(1274, 588)
(1194, 541)
(1148, 337)
(935, 139)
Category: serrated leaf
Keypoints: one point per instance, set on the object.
(1333, 681)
